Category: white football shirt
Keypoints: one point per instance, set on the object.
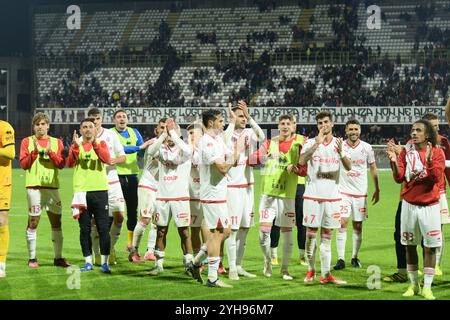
(354, 182)
(194, 179)
(174, 173)
(242, 175)
(213, 186)
(115, 150)
(174, 170)
(149, 177)
(322, 181)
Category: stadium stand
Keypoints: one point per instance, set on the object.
(264, 56)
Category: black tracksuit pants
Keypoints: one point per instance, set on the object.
(129, 184)
(97, 207)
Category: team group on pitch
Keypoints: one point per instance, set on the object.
(206, 184)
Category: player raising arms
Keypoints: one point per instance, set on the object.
(41, 158)
(353, 189)
(324, 156)
(240, 191)
(172, 197)
(280, 156)
(147, 188)
(419, 167)
(301, 229)
(215, 162)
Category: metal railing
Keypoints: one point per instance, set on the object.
(276, 58)
(103, 60)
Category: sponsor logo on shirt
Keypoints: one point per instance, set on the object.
(353, 174)
(359, 162)
(420, 175)
(327, 175)
(170, 178)
(325, 160)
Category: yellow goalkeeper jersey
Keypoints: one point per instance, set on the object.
(6, 139)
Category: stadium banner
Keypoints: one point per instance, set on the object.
(262, 115)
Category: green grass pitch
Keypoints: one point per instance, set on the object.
(129, 281)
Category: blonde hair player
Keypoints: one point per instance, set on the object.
(41, 158)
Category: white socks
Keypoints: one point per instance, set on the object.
(264, 241)
(341, 239)
(57, 239)
(88, 259)
(325, 254)
(151, 243)
(440, 252)
(274, 252)
(104, 259)
(287, 249)
(138, 233)
(31, 242)
(231, 249)
(301, 253)
(413, 273)
(159, 259)
(187, 258)
(201, 255)
(357, 239)
(428, 274)
(213, 265)
(311, 239)
(241, 241)
(114, 234)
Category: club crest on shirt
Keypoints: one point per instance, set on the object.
(419, 175)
